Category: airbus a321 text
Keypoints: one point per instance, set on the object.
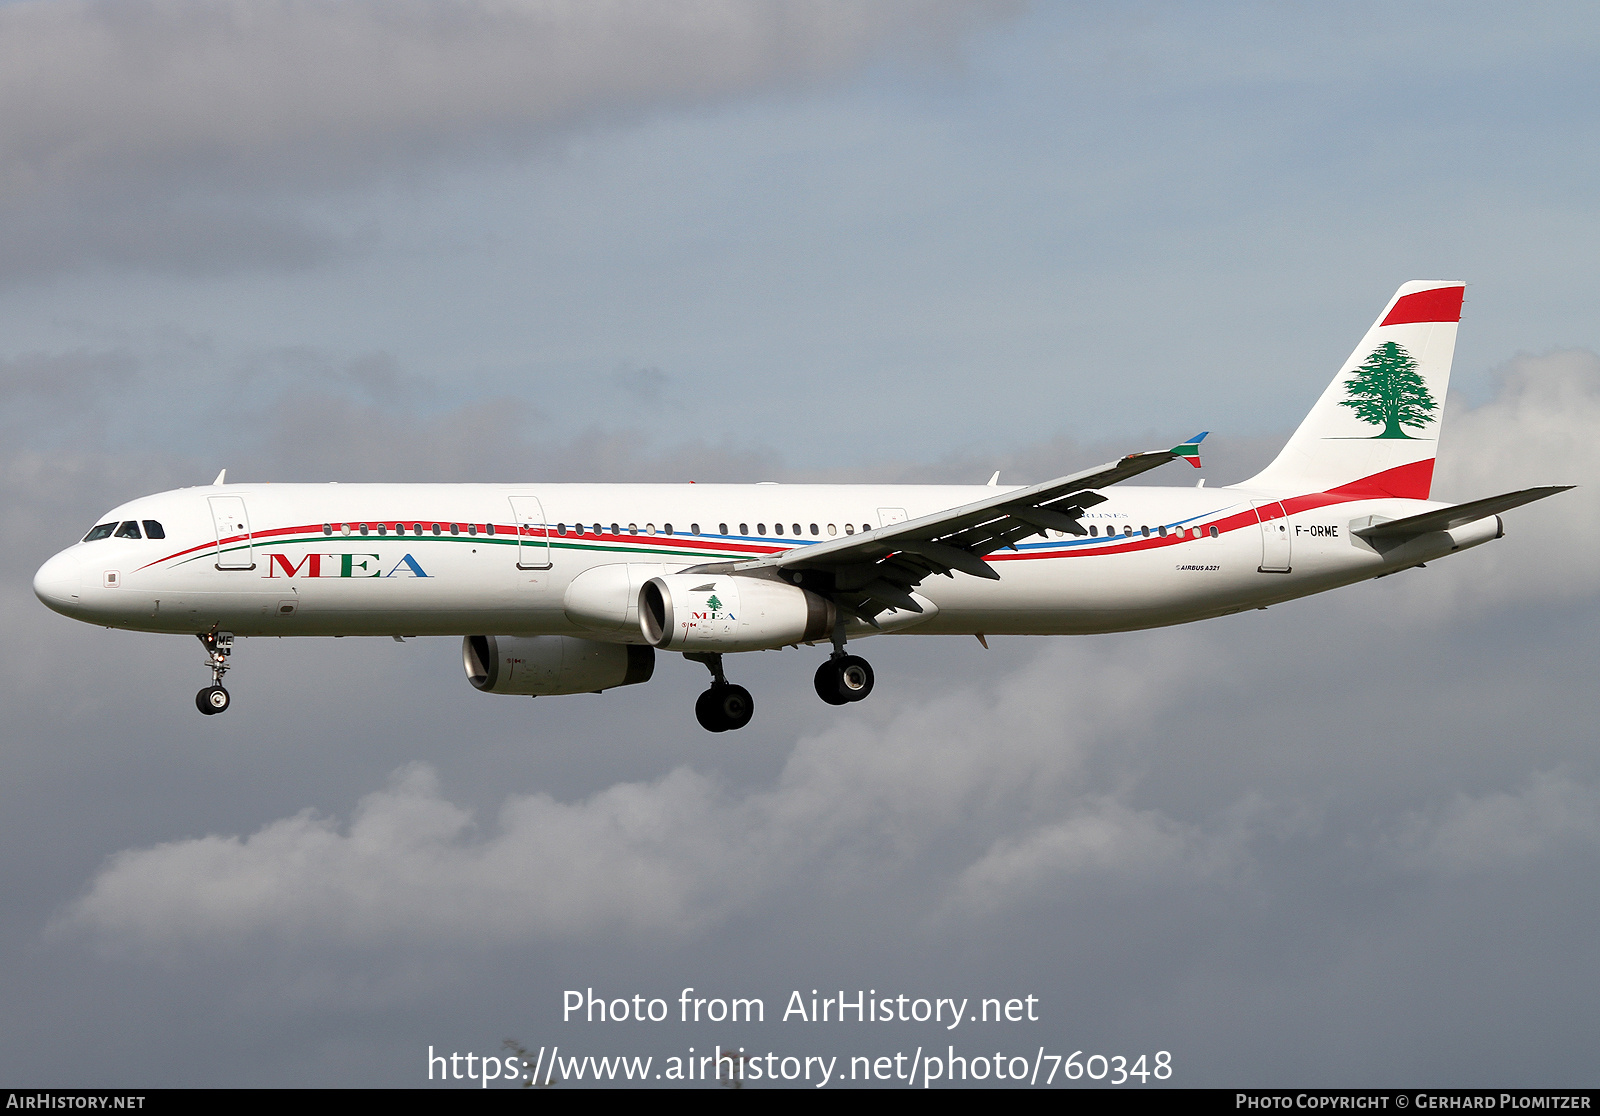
(573, 588)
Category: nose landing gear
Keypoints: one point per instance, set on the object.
(213, 699)
(724, 706)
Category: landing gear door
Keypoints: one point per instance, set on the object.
(533, 538)
(233, 533)
(1275, 543)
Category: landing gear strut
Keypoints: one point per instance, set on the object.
(214, 699)
(724, 706)
(844, 677)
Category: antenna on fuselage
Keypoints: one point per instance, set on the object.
(222, 477)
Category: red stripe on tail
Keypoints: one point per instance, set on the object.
(1405, 482)
(1442, 304)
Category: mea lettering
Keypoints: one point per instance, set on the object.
(340, 565)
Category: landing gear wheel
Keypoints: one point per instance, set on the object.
(723, 708)
(830, 688)
(843, 679)
(212, 700)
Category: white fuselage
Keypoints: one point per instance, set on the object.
(327, 559)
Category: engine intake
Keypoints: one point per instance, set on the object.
(697, 612)
(553, 664)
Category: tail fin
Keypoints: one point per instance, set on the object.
(1375, 431)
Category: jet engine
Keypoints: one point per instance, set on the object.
(553, 664)
(696, 612)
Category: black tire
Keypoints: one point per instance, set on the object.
(706, 712)
(212, 700)
(855, 677)
(736, 706)
(830, 687)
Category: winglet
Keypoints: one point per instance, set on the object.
(1190, 450)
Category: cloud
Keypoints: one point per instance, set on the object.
(1501, 830)
(854, 807)
(1537, 430)
(158, 132)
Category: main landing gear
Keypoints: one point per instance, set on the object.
(724, 706)
(214, 699)
(844, 677)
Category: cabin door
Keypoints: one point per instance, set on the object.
(234, 550)
(533, 536)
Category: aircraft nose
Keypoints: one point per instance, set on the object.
(57, 583)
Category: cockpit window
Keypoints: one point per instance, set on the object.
(129, 530)
(153, 530)
(101, 532)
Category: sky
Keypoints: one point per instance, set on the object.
(1345, 841)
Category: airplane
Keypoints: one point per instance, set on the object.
(573, 588)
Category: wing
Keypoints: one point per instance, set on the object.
(876, 570)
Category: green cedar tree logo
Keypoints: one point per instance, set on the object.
(1386, 391)
(713, 604)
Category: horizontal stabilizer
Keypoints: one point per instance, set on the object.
(1446, 519)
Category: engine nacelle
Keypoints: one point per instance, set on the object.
(553, 664)
(606, 598)
(701, 612)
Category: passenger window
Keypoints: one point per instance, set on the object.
(694, 528)
(796, 528)
(129, 530)
(578, 527)
(1145, 531)
(866, 526)
(472, 528)
(666, 528)
(153, 530)
(1094, 530)
(761, 528)
(633, 528)
(744, 528)
(1127, 531)
(722, 528)
(363, 528)
(615, 530)
(1213, 530)
(490, 527)
(831, 530)
(849, 528)
(814, 529)
(383, 528)
(416, 528)
(327, 528)
(649, 528)
(436, 529)
(1163, 531)
(777, 528)
(454, 530)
